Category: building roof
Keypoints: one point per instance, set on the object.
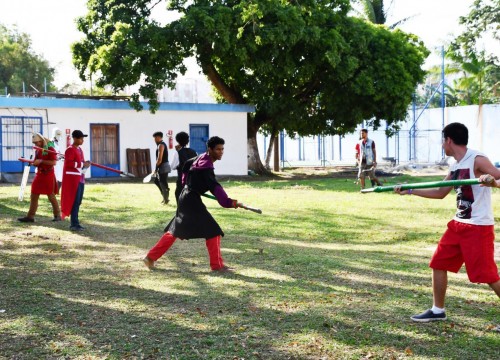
(43, 103)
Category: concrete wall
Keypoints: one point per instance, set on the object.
(424, 147)
(136, 128)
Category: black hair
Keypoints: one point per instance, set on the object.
(182, 138)
(214, 141)
(364, 130)
(158, 133)
(457, 132)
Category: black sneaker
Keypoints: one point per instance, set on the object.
(77, 228)
(26, 219)
(429, 316)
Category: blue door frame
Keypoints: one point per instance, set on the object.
(198, 136)
(15, 140)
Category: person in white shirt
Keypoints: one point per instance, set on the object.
(470, 235)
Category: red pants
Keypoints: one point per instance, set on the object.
(167, 240)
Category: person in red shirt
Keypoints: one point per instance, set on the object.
(44, 182)
(366, 157)
(73, 183)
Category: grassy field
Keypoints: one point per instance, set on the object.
(324, 273)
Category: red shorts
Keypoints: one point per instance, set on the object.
(470, 244)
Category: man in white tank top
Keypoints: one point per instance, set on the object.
(366, 157)
(470, 235)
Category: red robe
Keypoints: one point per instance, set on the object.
(72, 176)
(44, 182)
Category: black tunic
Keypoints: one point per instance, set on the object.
(192, 219)
(184, 155)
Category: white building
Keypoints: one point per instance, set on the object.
(113, 127)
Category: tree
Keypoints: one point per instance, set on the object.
(375, 12)
(480, 71)
(482, 21)
(19, 63)
(479, 75)
(306, 66)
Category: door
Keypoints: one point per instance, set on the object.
(104, 149)
(15, 141)
(198, 137)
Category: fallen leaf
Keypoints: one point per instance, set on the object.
(203, 314)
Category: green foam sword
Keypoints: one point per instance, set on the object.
(423, 185)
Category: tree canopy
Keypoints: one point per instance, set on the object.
(19, 63)
(479, 80)
(307, 66)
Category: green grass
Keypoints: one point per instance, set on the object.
(324, 273)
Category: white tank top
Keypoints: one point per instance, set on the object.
(473, 201)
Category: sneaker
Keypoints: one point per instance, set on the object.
(57, 218)
(428, 316)
(26, 219)
(224, 269)
(76, 228)
(150, 264)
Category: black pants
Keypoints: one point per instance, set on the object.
(178, 188)
(162, 182)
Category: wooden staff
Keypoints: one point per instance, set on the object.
(423, 185)
(255, 210)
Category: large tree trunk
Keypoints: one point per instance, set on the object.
(254, 162)
(274, 134)
(254, 122)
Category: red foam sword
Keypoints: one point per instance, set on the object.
(91, 163)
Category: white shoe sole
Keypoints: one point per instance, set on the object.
(428, 320)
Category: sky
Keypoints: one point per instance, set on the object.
(51, 25)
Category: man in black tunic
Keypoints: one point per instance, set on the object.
(182, 155)
(192, 219)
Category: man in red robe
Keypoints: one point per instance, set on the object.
(73, 183)
(44, 182)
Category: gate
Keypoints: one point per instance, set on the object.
(15, 140)
(198, 136)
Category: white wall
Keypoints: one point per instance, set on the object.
(483, 135)
(136, 131)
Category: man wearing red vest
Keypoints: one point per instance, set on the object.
(73, 180)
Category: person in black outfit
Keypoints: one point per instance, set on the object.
(192, 219)
(162, 166)
(182, 155)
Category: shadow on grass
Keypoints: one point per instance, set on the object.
(343, 304)
(306, 287)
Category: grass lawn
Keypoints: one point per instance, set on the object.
(324, 273)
